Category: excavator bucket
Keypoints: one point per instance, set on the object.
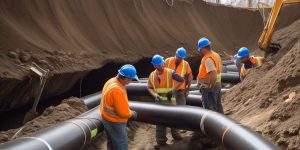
(282, 14)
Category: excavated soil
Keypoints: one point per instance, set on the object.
(142, 137)
(268, 100)
(68, 109)
(72, 38)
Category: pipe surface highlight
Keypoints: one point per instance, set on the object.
(69, 135)
(197, 92)
(82, 129)
(225, 77)
(232, 68)
(93, 100)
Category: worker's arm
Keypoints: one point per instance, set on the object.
(212, 79)
(121, 104)
(189, 77)
(212, 72)
(151, 91)
(179, 79)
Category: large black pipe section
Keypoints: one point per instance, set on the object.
(226, 78)
(93, 100)
(197, 92)
(77, 132)
(227, 62)
(230, 78)
(141, 89)
(232, 68)
(73, 134)
(215, 125)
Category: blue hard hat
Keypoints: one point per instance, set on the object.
(157, 60)
(128, 71)
(203, 42)
(243, 52)
(181, 52)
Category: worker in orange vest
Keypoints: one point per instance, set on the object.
(160, 86)
(248, 61)
(182, 67)
(209, 77)
(115, 110)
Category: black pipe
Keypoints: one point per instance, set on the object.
(230, 78)
(69, 135)
(215, 125)
(232, 68)
(227, 62)
(82, 129)
(197, 92)
(93, 100)
(194, 100)
(141, 89)
(226, 78)
(229, 72)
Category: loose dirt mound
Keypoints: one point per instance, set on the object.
(268, 100)
(142, 137)
(69, 108)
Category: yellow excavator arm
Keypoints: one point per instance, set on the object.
(264, 40)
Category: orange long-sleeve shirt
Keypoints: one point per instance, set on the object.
(116, 99)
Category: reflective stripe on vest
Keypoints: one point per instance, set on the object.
(243, 71)
(163, 91)
(103, 103)
(258, 61)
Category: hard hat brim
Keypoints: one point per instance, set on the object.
(238, 56)
(181, 56)
(135, 77)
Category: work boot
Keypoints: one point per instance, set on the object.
(159, 144)
(175, 134)
(177, 137)
(183, 131)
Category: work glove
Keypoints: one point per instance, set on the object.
(169, 95)
(157, 98)
(133, 114)
(187, 92)
(199, 86)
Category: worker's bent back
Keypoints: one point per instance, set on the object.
(114, 105)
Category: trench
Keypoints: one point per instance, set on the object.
(90, 83)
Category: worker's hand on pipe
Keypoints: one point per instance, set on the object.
(187, 92)
(133, 114)
(169, 95)
(198, 86)
(157, 98)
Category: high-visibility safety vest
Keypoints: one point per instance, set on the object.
(256, 61)
(182, 69)
(107, 101)
(164, 86)
(202, 69)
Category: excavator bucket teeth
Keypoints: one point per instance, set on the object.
(274, 47)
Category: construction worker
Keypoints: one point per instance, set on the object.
(209, 77)
(160, 86)
(248, 61)
(182, 68)
(115, 110)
